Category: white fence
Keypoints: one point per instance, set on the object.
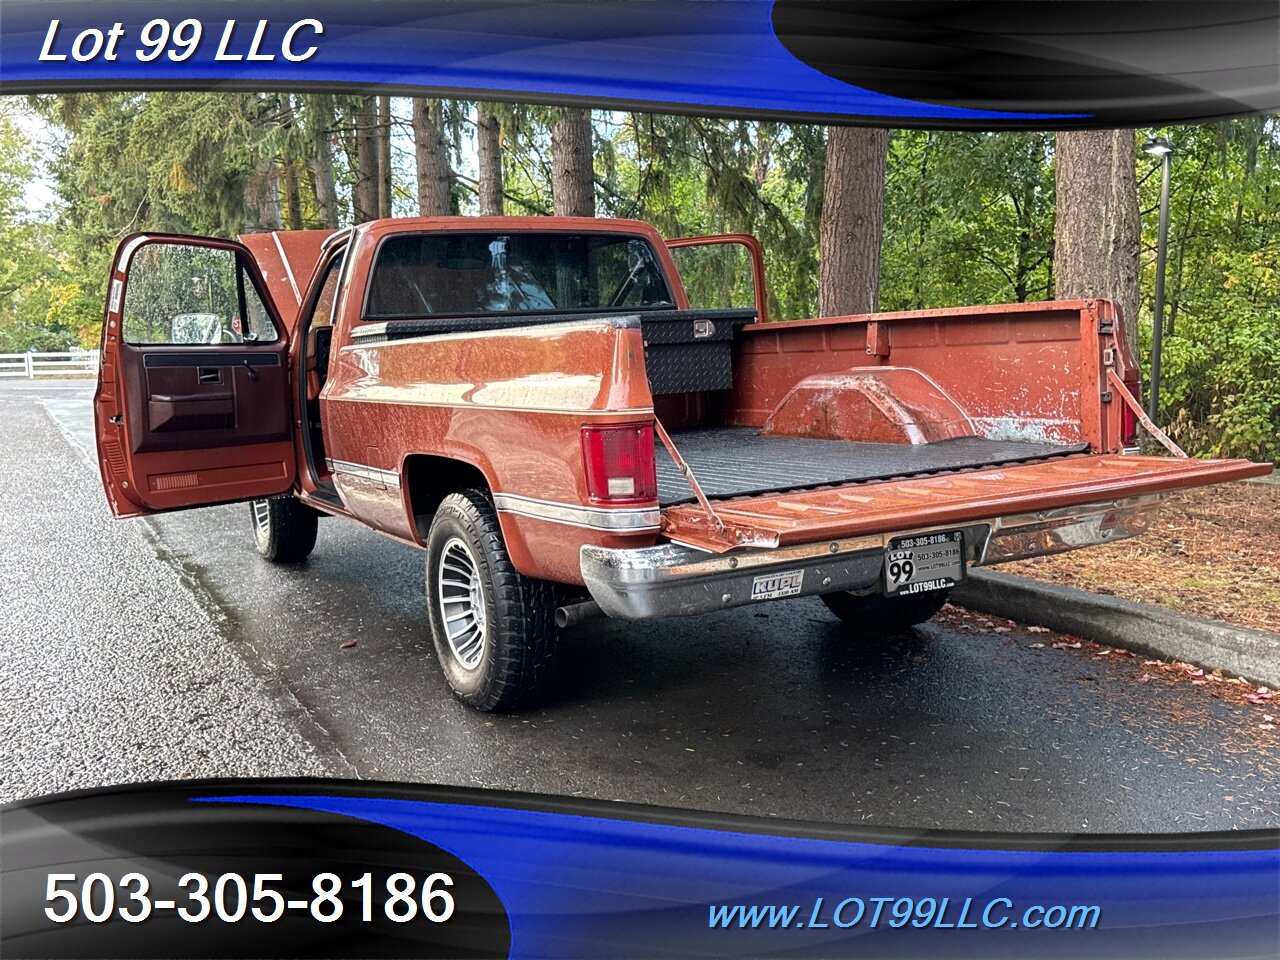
(29, 366)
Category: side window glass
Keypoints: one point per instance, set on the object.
(183, 294)
(716, 275)
(322, 316)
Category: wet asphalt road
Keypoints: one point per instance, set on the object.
(767, 710)
(112, 669)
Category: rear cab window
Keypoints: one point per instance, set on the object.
(457, 274)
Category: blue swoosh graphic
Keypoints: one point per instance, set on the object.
(682, 54)
(576, 885)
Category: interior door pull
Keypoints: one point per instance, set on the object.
(208, 375)
(248, 368)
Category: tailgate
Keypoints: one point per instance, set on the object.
(894, 506)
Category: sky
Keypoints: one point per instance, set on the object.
(39, 196)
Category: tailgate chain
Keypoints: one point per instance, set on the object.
(1132, 403)
(688, 476)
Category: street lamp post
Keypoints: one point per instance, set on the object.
(1162, 148)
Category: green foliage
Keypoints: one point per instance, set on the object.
(693, 176)
(1221, 385)
(16, 164)
(42, 304)
(718, 275)
(1220, 389)
(526, 157)
(969, 217)
(183, 294)
(174, 162)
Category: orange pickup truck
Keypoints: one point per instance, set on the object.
(544, 406)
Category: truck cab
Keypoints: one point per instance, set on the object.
(576, 418)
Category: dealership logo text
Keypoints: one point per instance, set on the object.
(181, 41)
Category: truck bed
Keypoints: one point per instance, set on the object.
(742, 461)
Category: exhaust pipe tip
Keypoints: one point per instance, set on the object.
(573, 614)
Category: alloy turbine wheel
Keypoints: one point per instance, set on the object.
(262, 520)
(462, 603)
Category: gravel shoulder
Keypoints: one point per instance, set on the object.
(113, 669)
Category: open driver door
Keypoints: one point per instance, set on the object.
(193, 405)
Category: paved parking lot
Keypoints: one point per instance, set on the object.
(166, 648)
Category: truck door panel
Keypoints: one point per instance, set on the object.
(193, 405)
(189, 400)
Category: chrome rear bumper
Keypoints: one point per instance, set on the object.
(672, 580)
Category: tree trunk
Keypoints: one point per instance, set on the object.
(489, 149)
(364, 195)
(384, 156)
(289, 169)
(573, 190)
(852, 221)
(293, 197)
(433, 174)
(270, 209)
(318, 120)
(262, 198)
(922, 224)
(326, 188)
(1097, 234)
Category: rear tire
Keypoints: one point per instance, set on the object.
(494, 629)
(876, 613)
(284, 529)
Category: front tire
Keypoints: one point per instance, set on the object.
(284, 529)
(494, 628)
(876, 613)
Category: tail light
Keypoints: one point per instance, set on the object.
(1129, 418)
(619, 462)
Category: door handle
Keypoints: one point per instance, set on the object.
(208, 375)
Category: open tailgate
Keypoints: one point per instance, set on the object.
(894, 506)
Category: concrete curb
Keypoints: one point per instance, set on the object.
(1240, 651)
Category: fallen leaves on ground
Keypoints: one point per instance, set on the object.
(1234, 690)
(1212, 552)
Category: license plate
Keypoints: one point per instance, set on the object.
(927, 561)
(771, 586)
